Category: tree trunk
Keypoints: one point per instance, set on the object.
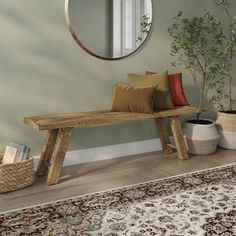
(230, 90)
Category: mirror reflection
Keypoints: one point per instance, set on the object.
(109, 29)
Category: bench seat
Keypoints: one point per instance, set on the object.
(60, 126)
(106, 117)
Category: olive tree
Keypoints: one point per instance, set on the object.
(197, 44)
(229, 51)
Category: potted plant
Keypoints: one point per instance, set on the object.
(197, 44)
(226, 118)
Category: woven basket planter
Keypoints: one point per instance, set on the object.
(226, 126)
(16, 175)
(201, 139)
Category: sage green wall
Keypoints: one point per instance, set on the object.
(43, 71)
(91, 23)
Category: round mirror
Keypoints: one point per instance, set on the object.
(109, 29)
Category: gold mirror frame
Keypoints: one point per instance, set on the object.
(77, 40)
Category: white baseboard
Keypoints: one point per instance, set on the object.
(109, 152)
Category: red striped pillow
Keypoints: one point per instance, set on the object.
(176, 89)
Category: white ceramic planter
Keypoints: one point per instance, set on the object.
(201, 139)
(226, 126)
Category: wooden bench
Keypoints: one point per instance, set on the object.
(60, 127)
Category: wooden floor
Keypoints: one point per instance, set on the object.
(103, 175)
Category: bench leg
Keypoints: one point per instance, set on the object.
(58, 155)
(47, 152)
(164, 137)
(179, 139)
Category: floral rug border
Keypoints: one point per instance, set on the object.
(146, 190)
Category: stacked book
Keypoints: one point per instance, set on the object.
(15, 152)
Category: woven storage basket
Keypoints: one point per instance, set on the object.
(16, 175)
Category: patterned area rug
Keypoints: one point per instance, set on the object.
(200, 203)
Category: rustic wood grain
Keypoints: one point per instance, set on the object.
(179, 139)
(47, 152)
(58, 155)
(84, 119)
(160, 123)
(171, 146)
(60, 127)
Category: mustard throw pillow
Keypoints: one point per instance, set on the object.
(128, 99)
(121, 98)
(163, 99)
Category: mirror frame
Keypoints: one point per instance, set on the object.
(77, 40)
